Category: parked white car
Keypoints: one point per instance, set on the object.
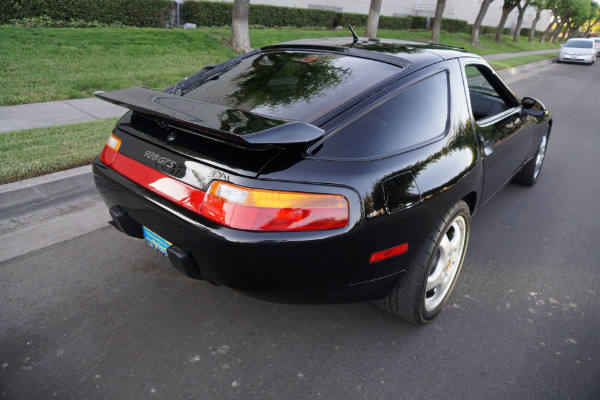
(597, 41)
(578, 50)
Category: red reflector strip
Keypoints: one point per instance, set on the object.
(157, 182)
(389, 253)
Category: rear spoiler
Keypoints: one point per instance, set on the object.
(214, 119)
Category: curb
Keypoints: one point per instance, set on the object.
(31, 195)
(504, 73)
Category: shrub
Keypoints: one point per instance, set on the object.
(142, 13)
(483, 29)
(208, 13)
(47, 22)
(395, 23)
(453, 25)
(418, 22)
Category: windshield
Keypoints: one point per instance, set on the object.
(580, 44)
(292, 85)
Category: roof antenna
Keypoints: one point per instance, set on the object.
(356, 39)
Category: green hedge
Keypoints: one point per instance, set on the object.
(143, 13)
(208, 13)
(418, 22)
(525, 33)
(487, 30)
(453, 25)
(396, 23)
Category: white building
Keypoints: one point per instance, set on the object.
(457, 9)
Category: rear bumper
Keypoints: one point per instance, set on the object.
(292, 267)
(576, 59)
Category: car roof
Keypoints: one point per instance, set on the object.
(582, 39)
(400, 52)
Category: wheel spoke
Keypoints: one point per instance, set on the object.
(446, 264)
(445, 247)
(437, 278)
(539, 159)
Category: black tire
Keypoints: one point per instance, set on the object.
(410, 299)
(530, 172)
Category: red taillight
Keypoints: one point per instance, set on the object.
(236, 206)
(269, 210)
(110, 149)
(172, 189)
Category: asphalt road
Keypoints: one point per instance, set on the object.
(103, 316)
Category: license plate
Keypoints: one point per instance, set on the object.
(155, 241)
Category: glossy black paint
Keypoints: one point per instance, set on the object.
(394, 198)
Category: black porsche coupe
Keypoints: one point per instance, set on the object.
(322, 170)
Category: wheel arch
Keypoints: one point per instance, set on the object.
(471, 200)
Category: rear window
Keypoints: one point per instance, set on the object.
(579, 44)
(414, 116)
(293, 85)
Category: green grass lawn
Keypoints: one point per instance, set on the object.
(34, 152)
(45, 64)
(516, 61)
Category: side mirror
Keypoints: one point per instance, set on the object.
(533, 107)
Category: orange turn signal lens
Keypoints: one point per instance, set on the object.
(269, 210)
(110, 149)
(113, 142)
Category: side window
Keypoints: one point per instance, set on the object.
(486, 94)
(416, 115)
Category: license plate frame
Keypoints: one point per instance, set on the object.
(156, 241)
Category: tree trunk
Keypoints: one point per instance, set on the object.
(437, 21)
(538, 14)
(519, 21)
(506, 9)
(474, 40)
(240, 39)
(590, 26)
(547, 30)
(556, 32)
(373, 20)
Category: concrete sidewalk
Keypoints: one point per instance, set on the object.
(502, 56)
(38, 115)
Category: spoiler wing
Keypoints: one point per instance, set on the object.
(214, 119)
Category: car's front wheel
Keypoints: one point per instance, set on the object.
(425, 286)
(529, 173)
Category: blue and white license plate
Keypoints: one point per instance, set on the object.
(155, 241)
